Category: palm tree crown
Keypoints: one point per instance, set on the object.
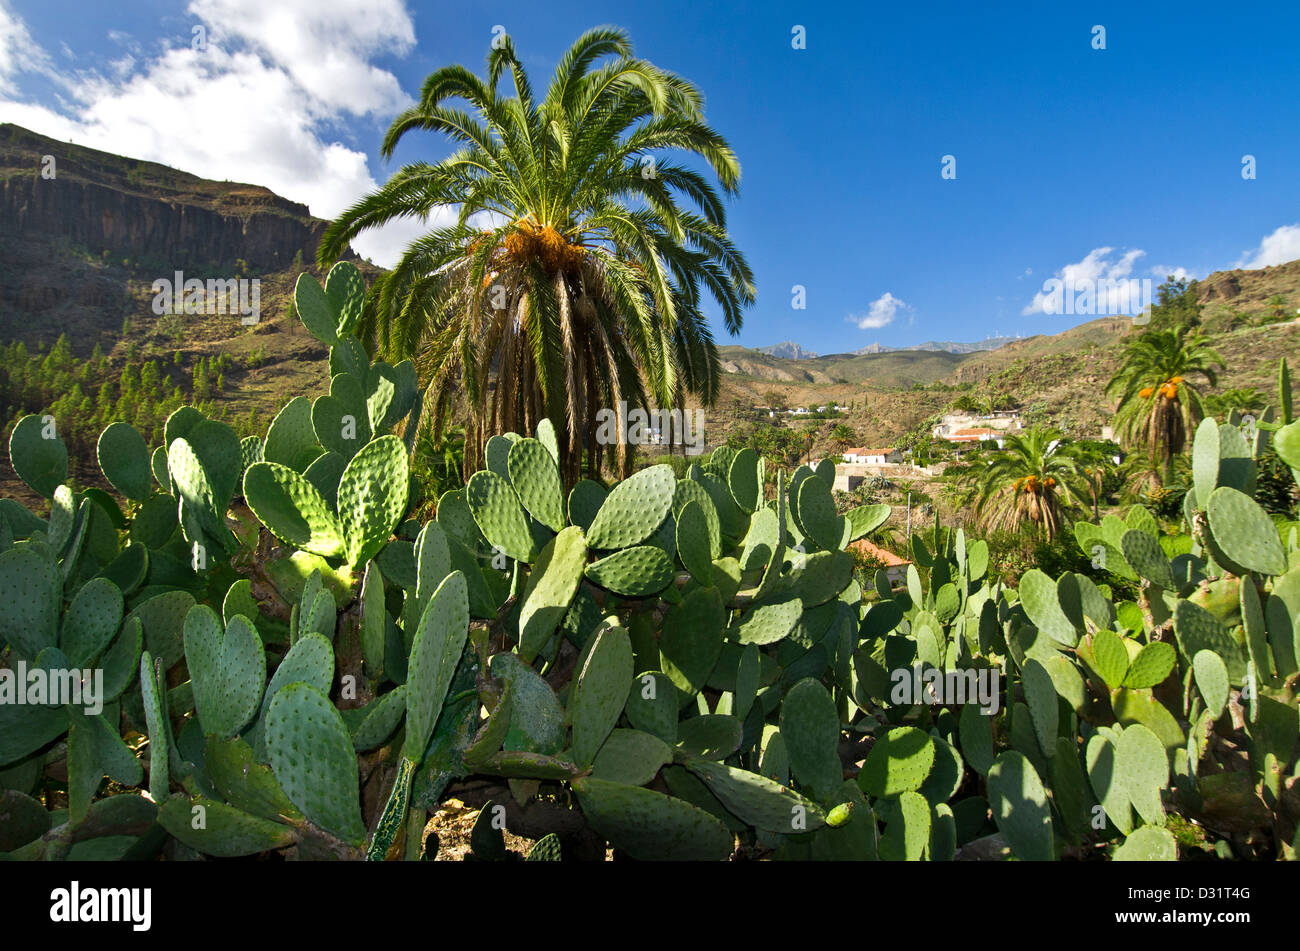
(1031, 480)
(571, 279)
(1158, 402)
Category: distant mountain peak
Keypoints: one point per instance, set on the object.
(787, 350)
(946, 346)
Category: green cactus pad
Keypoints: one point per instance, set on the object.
(693, 543)
(40, 462)
(499, 515)
(907, 832)
(767, 623)
(1040, 693)
(315, 309)
(222, 831)
(816, 514)
(376, 721)
(1152, 665)
(760, 541)
(811, 728)
(631, 757)
(163, 617)
(311, 661)
(691, 639)
(899, 762)
(551, 586)
(153, 695)
(372, 497)
(547, 848)
(348, 356)
(29, 609)
(243, 782)
(585, 500)
(634, 509)
(757, 800)
(345, 289)
(435, 652)
(324, 474)
(600, 692)
(1244, 533)
(90, 621)
(633, 572)
(652, 705)
(1020, 807)
(1144, 554)
(341, 419)
(536, 717)
(314, 760)
(291, 508)
(373, 620)
(865, 519)
(1103, 777)
(458, 521)
(743, 480)
(1041, 599)
(1147, 844)
(124, 459)
(650, 826)
(536, 480)
(94, 751)
(1142, 770)
(1211, 681)
(496, 455)
(1197, 629)
(227, 670)
(688, 491)
(291, 438)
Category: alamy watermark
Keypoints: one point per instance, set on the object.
(980, 685)
(55, 686)
(656, 427)
(242, 296)
(1096, 296)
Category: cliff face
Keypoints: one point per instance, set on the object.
(143, 210)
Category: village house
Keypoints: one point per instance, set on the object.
(895, 566)
(872, 457)
(976, 435)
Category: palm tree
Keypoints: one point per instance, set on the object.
(1158, 403)
(571, 279)
(1030, 480)
(843, 436)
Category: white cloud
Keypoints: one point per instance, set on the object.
(1178, 273)
(1281, 246)
(273, 80)
(1097, 267)
(18, 52)
(324, 47)
(882, 312)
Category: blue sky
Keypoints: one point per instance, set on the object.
(1070, 161)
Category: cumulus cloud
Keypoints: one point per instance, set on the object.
(1281, 246)
(18, 52)
(1177, 273)
(1112, 278)
(270, 83)
(882, 312)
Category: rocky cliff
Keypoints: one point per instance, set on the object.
(143, 210)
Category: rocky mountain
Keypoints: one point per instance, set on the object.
(144, 210)
(789, 350)
(84, 234)
(941, 346)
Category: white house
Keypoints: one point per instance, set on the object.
(872, 457)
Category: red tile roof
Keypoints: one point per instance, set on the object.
(882, 554)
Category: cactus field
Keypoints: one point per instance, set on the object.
(288, 666)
